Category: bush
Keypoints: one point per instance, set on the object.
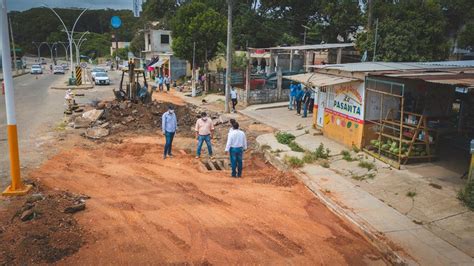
(284, 138)
(322, 153)
(294, 162)
(309, 157)
(346, 155)
(466, 195)
(295, 147)
(367, 165)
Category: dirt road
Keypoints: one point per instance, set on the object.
(146, 210)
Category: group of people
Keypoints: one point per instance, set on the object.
(235, 146)
(161, 82)
(301, 98)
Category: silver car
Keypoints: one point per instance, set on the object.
(101, 78)
(58, 70)
(97, 70)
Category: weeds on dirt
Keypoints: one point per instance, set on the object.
(466, 195)
(346, 155)
(284, 138)
(306, 131)
(299, 127)
(367, 165)
(325, 164)
(61, 126)
(362, 177)
(294, 162)
(411, 194)
(355, 149)
(295, 147)
(265, 147)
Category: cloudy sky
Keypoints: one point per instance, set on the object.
(93, 4)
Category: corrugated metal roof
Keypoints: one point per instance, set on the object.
(320, 80)
(449, 78)
(394, 66)
(313, 46)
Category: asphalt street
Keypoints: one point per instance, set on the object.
(39, 110)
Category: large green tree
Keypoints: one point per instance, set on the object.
(195, 22)
(408, 30)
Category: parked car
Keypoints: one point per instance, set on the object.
(36, 69)
(97, 70)
(101, 78)
(58, 70)
(65, 66)
(43, 61)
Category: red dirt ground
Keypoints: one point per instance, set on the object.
(146, 210)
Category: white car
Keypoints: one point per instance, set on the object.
(58, 70)
(36, 69)
(97, 70)
(101, 78)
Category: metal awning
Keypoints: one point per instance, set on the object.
(460, 79)
(160, 62)
(320, 80)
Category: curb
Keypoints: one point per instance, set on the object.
(18, 75)
(369, 233)
(64, 88)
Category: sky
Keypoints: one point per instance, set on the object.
(20, 5)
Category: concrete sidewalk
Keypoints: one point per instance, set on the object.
(430, 227)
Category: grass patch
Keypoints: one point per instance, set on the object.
(284, 138)
(411, 194)
(466, 195)
(294, 162)
(346, 155)
(321, 152)
(295, 147)
(367, 165)
(362, 177)
(61, 126)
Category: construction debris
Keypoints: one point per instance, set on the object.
(75, 208)
(93, 115)
(97, 132)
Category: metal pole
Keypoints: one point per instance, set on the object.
(13, 46)
(375, 42)
(16, 187)
(193, 81)
(116, 50)
(229, 56)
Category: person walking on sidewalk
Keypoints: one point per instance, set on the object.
(204, 132)
(236, 145)
(311, 100)
(167, 82)
(169, 125)
(233, 97)
(306, 101)
(292, 95)
(299, 99)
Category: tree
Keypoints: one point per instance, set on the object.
(96, 45)
(196, 22)
(409, 30)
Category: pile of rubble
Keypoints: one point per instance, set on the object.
(113, 117)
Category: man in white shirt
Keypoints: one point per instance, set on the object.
(236, 145)
(233, 97)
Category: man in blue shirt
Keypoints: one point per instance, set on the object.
(299, 98)
(292, 95)
(169, 124)
(161, 80)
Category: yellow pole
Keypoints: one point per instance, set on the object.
(17, 187)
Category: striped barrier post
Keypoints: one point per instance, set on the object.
(16, 187)
(78, 75)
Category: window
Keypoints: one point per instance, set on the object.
(165, 39)
(149, 39)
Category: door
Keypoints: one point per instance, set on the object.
(322, 101)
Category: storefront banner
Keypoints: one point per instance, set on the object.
(348, 100)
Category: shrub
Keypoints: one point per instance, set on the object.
(284, 138)
(322, 153)
(346, 155)
(294, 162)
(295, 147)
(367, 165)
(466, 195)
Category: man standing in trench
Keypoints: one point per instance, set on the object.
(236, 145)
(169, 124)
(204, 132)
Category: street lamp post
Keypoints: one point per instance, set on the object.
(78, 45)
(70, 34)
(65, 48)
(38, 46)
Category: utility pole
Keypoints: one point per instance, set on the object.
(370, 4)
(376, 37)
(305, 29)
(228, 76)
(193, 81)
(16, 187)
(13, 46)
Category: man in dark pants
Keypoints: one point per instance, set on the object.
(236, 145)
(299, 99)
(306, 101)
(169, 124)
(233, 97)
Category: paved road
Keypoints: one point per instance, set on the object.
(39, 111)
